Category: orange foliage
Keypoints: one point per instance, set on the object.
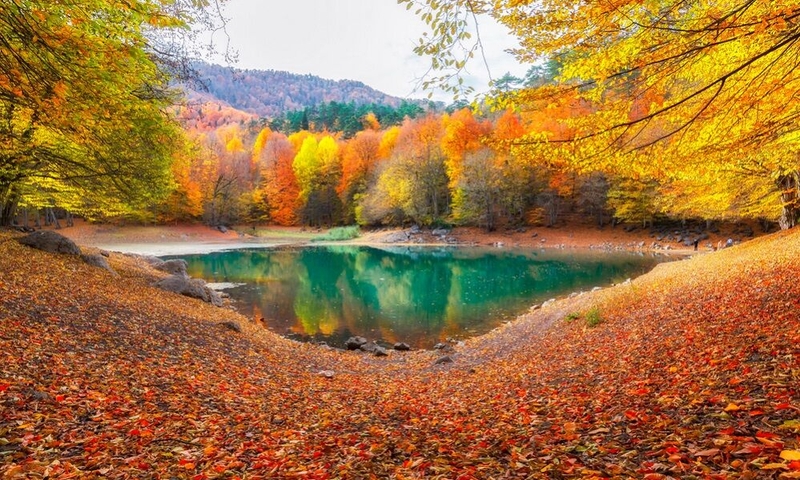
(462, 134)
(358, 158)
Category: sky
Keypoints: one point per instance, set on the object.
(367, 40)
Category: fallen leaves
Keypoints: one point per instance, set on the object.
(132, 383)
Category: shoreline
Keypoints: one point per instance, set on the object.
(188, 239)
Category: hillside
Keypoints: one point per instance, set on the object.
(269, 93)
(691, 371)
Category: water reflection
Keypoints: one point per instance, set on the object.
(418, 295)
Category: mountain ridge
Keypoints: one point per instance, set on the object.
(270, 93)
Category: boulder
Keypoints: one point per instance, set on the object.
(443, 360)
(380, 352)
(233, 326)
(173, 267)
(50, 241)
(402, 347)
(190, 287)
(99, 261)
(327, 373)
(440, 232)
(396, 237)
(354, 343)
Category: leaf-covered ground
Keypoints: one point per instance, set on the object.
(692, 372)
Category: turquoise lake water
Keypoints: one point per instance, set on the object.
(417, 295)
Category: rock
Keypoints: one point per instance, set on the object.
(535, 307)
(548, 303)
(173, 267)
(368, 347)
(98, 261)
(232, 326)
(105, 253)
(439, 346)
(326, 373)
(222, 228)
(380, 352)
(543, 240)
(597, 289)
(440, 232)
(354, 343)
(534, 235)
(396, 237)
(415, 229)
(149, 259)
(498, 244)
(443, 360)
(402, 347)
(50, 241)
(41, 396)
(190, 287)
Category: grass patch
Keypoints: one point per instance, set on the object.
(572, 316)
(593, 317)
(338, 234)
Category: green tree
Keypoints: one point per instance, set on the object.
(83, 94)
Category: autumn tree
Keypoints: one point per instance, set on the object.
(317, 167)
(418, 157)
(83, 92)
(359, 156)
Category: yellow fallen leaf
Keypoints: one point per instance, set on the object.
(790, 455)
(732, 407)
(774, 466)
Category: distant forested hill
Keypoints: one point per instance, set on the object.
(270, 93)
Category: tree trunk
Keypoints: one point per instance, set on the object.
(789, 186)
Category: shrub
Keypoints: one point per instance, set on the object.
(338, 234)
(593, 317)
(572, 316)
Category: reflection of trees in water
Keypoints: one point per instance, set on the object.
(416, 295)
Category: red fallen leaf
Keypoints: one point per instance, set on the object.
(60, 398)
(762, 434)
(134, 432)
(707, 453)
(795, 465)
(783, 406)
(749, 449)
(726, 431)
(756, 412)
(200, 476)
(672, 449)
(4, 386)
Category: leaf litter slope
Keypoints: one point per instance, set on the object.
(692, 373)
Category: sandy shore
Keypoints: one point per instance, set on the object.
(184, 239)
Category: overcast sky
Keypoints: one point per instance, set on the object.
(366, 40)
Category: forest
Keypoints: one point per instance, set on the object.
(580, 136)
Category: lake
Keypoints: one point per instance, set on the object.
(417, 295)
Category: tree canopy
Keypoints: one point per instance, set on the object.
(698, 96)
(84, 88)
